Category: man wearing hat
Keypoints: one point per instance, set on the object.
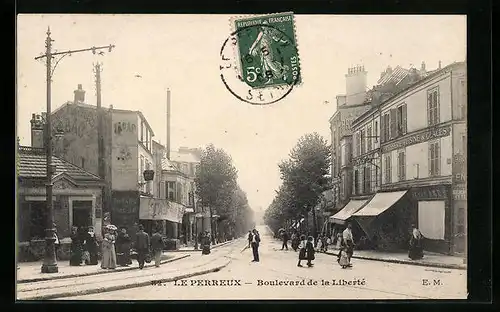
(142, 246)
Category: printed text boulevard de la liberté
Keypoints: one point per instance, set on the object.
(237, 282)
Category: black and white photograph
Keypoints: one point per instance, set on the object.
(276, 156)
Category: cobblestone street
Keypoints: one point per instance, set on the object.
(366, 280)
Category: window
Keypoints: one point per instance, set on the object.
(462, 102)
(433, 106)
(356, 182)
(358, 144)
(179, 197)
(142, 131)
(369, 138)
(146, 139)
(434, 159)
(401, 165)
(375, 131)
(141, 169)
(362, 141)
(387, 164)
(367, 179)
(401, 120)
(171, 191)
(385, 127)
(431, 219)
(148, 183)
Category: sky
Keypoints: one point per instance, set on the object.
(181, 52)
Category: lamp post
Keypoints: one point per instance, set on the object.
(49, 262)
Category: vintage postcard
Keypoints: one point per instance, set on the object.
(232, 157)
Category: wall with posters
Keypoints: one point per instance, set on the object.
(124, 154)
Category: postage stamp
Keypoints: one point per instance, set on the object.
(267, 50)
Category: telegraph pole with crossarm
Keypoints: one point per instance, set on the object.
(49, 262)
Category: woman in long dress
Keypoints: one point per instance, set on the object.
(123, 242)
(91, 247)
(205, 244)
(302, 250)
(416, 251)
(76, 249)
(108, 250)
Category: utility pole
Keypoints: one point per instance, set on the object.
(49, 262)
(100, 134)
(168, 124)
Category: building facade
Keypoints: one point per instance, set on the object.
(422, 152)
(77, 201)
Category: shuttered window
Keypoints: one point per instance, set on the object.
(369, 139)
(401, 120)
(387, 167)
(433, 106)
(393, 124)
(401, 165)
(358, 144)
(362, 141)
(434, 159)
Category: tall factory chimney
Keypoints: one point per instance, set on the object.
(168, 124)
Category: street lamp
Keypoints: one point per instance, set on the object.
(49, 262)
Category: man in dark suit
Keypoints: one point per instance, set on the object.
(157, 246)
(142, 246)
(255, 245)
(250, 238)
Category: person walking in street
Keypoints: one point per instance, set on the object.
(343, 259)
(348, 242)
(91, 247)
(310, 251)
(205, 244)
(302, 249)
(295, 241)
(142, 246)
(157, 246)
(57, 242)
(255, 245)
(76, 248)
(108, 248)
(416, 251)
(123, 242)
(285, 240)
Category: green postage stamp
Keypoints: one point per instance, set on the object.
(266, 50)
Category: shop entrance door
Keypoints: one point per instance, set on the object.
(82, 213)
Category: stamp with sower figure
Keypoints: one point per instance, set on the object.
(265, 59)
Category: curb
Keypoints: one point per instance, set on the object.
(198, 250)
(126, 286)
(434, 265)
(48, 278)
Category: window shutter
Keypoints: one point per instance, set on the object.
(382, 129)
(431, 147)
(437, 155)
(429, 106)
(393, 123)
(405, 127)
(436, 105)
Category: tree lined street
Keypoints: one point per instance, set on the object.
(381, 280)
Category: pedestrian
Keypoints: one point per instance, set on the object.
(205, 242)
(249, 238)
(343, 259)
(324, 243)
(57, 242)
(91, 247)
(348, 242)
(157, 246)
(123, 242)
(285, 240)
(310, 251)
(255, 245)
(302, 249)
(416, 251)
(142, 246)
(76, 248)
(108, 249)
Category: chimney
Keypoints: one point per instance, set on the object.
(37, 125)
(439, 65)
(422, 67)
(79, 95)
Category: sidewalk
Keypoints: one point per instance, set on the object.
(29, 272)
(72, 287)
(429, 260)
(191, 248)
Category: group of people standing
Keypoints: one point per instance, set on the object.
(115, 247)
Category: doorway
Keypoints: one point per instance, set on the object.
(82, 213)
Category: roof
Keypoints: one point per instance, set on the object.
(32, 164)
(184, 157)
(168, 165)
(396, 76)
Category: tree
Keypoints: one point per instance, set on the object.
(215, 182)
(305, 174)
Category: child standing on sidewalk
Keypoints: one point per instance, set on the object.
(343, 259)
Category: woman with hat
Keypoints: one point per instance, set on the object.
(76, 248)
(123, 242)
(91, 247)
(108, 248)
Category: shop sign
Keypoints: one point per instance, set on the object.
(458, 169)
(431, 192)
(160, 209)
(368, 159)
(425, 136)
(459, 194)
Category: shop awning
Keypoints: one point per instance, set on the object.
(160, 209)
(352, 206)
(380, 203)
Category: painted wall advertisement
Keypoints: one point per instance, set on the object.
(125, 206)
(160, 209)
(124, 152)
